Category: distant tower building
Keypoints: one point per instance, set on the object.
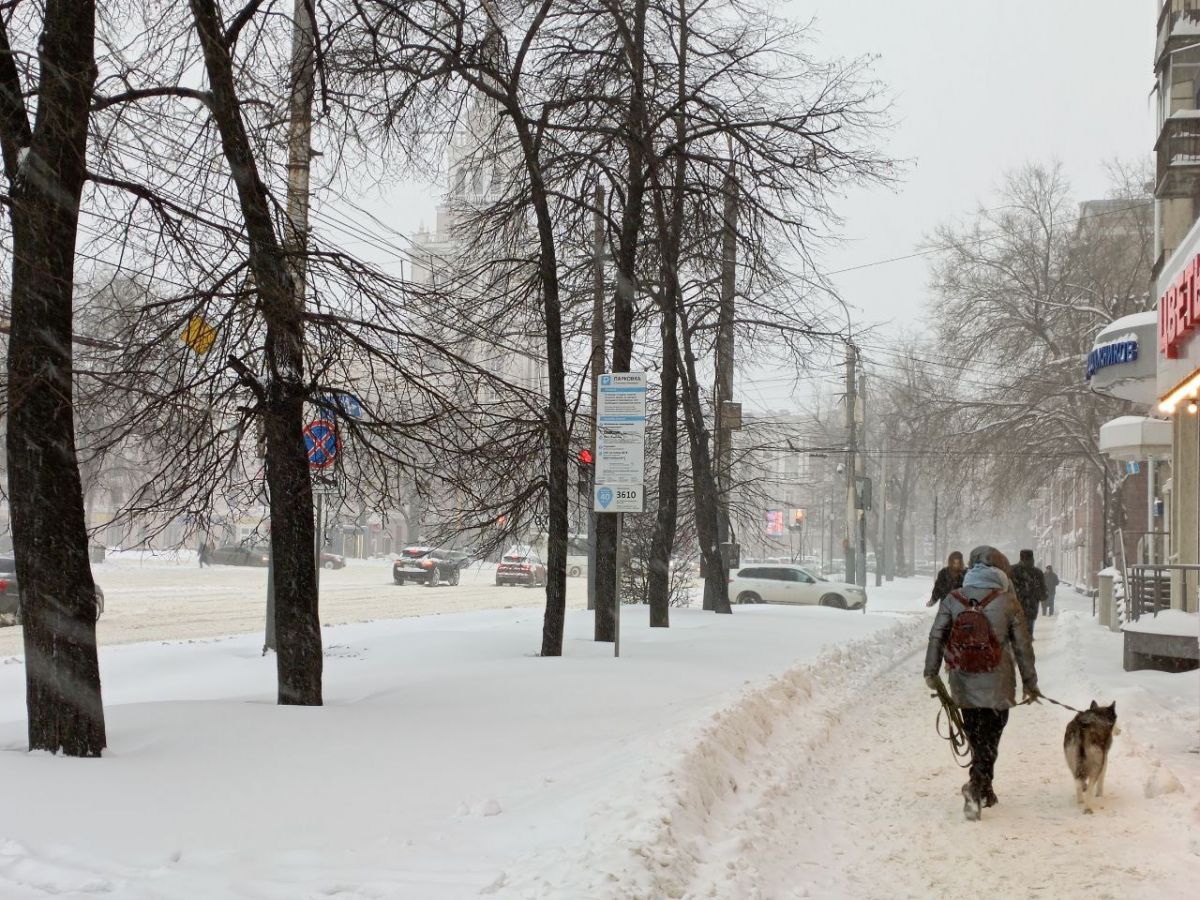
(453, 257)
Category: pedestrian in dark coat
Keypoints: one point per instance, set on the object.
(204, 559)
(984, 697)
(1051, 588)
(950, 578)
(1030, 585)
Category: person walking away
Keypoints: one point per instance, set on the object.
(204, 560)
(1030, 585)
(1051, 580)
(980, 633)
(949, 579)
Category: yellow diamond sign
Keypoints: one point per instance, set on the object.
(199, 335)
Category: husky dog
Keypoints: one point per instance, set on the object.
(1086, 745)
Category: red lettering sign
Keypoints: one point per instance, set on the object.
(1179, 310)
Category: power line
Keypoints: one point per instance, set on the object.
(938, 248)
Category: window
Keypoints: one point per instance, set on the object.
(769, 574)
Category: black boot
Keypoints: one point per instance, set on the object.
(989, 798)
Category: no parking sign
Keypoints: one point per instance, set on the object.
(321, 443)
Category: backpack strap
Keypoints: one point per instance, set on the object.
(976, 604)
(991, 595)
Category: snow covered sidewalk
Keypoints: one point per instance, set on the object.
(852, 795)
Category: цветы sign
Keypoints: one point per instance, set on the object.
(1179, 309)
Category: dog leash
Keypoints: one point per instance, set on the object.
(1040, 697)
(955, 733)
(960, 747)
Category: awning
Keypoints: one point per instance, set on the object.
(1130, 438)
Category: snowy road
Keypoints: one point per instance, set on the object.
(161, 599)
(862, 801)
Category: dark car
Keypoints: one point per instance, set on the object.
(332, 561)
(520, 565)
(240, 555)
(429, 565)
(10, 596)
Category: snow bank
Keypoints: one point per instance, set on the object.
(653, 848)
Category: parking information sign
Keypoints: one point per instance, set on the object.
(620, 442)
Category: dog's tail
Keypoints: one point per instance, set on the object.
(1073, 751)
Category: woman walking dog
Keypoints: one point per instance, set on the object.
(981, 634)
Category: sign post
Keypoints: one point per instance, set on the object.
(620, 459)
(322, 444)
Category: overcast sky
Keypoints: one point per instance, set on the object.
(981, 86)
(978, 87)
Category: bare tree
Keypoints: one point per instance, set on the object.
(46, 168)
(1020, 295)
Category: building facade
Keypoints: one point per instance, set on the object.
(1177, 280)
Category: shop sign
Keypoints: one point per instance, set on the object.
(1122, 350)
(1179, 310)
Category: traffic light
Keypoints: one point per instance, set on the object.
(586, 468)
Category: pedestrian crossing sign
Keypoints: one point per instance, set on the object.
(199, 336)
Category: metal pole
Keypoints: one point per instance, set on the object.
(936, 558)
(851, 452)
(724, 355)
(597, 367)
(883, 554)
(860, 471)
(1150, 541)
(295, 233)
(319, 537)
(617, 591)
(269, 638)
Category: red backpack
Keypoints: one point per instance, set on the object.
(973, 646)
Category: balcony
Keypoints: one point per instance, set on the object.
(1176, 19)
(1178, 151)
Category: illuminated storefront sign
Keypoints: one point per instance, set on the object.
(1179, 310)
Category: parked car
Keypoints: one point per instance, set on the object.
(10, 596)
(520, 565)
(332, 561)
(793, 585)
(240, 555)
(429, 565)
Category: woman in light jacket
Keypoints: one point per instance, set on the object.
(985, 697)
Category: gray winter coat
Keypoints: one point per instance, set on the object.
(986, 690)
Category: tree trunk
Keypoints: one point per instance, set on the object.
(46, 169)
(663, 540)
(716, 575)
(299, 659)
(557, 432)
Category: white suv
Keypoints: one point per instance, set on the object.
(793, 584)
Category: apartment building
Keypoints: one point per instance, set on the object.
(1176, 281)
